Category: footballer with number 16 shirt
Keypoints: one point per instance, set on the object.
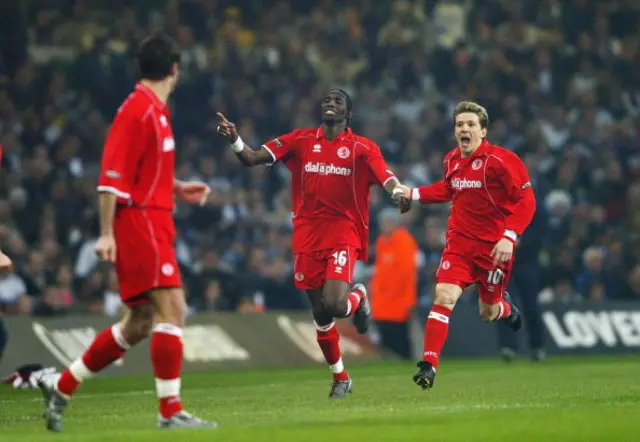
(136, 189)
(492, 204)
(332, 170)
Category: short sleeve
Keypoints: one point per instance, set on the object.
(282, 147)
(121, 153)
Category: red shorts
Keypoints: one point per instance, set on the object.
(311, 270)
(466, 261)
(145, 252)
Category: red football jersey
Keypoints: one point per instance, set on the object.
(139, 153)
(330, 187)
(490, 190)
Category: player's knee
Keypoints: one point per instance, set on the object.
(330, 307)
(489, 312)
(446, 295)
(170, 306)
(138, 323)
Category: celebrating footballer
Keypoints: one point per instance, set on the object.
(492, 204)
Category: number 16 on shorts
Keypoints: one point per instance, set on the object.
(341, 263)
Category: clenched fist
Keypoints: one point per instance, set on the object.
(401, 197)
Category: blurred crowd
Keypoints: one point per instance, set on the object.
(560, 78)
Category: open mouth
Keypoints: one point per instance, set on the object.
(330, 112)
(464, 140)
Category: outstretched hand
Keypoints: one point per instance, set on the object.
(401, 197)
(192, 192)
(226, 128)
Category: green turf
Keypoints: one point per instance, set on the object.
(589, 399)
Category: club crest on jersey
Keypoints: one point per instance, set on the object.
(445, 265)
(477, 164)
(344, 152)
(167, 269)
(299, 277)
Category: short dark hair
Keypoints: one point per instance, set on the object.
(156, 56)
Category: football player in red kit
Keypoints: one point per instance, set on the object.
(332, 170)
(492, 204)
(136, 192)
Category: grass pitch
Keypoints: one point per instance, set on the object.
(581, 399)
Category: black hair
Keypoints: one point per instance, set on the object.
(347, 99)
(156, 57)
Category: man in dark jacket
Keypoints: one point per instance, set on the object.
(524, 286)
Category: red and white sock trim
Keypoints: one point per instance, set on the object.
(338, 367)
(168, 387)
(439, 317)
(325, 328)
(116, 331)
(170, 329)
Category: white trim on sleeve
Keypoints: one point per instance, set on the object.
(114, 191)
(272, 155)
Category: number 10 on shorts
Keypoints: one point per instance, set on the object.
(495, 276)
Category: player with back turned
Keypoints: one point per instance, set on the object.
(492, 204)
(136, 191)
(332, 171)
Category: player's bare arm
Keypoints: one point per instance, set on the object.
(106, 245)
(245, 153)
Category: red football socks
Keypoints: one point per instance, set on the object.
(166, 357)
(107, 347)
(353, 302)
(505, 309)
(329, 342)
(435, 333)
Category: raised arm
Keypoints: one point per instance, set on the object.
(248, 156)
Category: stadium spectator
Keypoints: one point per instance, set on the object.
(394, 283)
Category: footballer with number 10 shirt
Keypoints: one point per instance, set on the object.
(136, 189)
(492, 204)
(332, 171)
